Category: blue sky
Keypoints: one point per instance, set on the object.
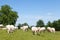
(31, 11)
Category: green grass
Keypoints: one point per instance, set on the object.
(21, 35)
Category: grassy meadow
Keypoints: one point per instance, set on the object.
(21, 35)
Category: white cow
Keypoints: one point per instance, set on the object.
(51, 29)
(21, 28)
(1, 25)
(35, 30)
(24, 28)
(42, 29)
(15, 28)
(10, 28)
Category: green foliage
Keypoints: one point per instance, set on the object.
(56, 24)
(19, 25)
(5, 9)
(49, 24)
(25, 24)
(7, 16)
(40, 23)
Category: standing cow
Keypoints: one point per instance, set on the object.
(51, 29)
(10, 28)
(24, 28)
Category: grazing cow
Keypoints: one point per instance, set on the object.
(24, 28)
(42, 29)
(10, 28)
(21, 28)
(35, 30)
(1, 25)
(51, 29)
(15, 28)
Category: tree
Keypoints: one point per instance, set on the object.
(40, 23)
(12, 17)
(7, 15)
(55, 25)
(49, 24)
(58, 22)
(19, 25)
(25, 24)
(58, 25)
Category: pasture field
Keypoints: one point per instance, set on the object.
(21, 35)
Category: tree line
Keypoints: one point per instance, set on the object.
(40, 23)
